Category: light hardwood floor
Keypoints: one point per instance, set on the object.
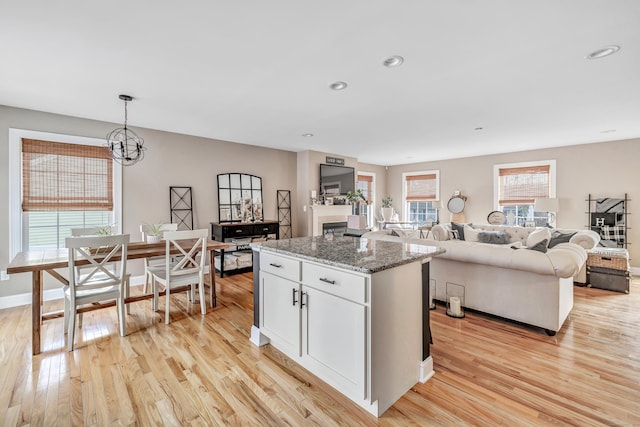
(204, 371)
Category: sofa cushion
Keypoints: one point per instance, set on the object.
(541, 246)
(401, 232)
(558, 237)
(459, 230)
(470, 233)
(494, 237)
(538, 235)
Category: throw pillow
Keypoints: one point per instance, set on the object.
(538, 236)
(459, 228)
(494, 237)
(541, 246)
(470, 233)
(558, 237)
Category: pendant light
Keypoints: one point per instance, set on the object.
(125, 146)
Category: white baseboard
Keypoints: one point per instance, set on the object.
(48, 295)
(426, 369)
(635, 271)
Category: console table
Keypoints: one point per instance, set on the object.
(239, 235)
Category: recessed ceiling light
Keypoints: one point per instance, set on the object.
(307, 135)
(338, 86)
(393, 61)
(605, 51)
(478, 128)
(608, 131)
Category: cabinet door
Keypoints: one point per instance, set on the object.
(280, 312)
(334, 337)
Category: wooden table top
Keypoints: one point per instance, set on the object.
(59, 258)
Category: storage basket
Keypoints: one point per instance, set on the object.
(612, 258)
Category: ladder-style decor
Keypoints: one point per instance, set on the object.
(284, 213)
(181, 203)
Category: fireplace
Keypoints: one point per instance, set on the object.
(335, 228)
(322, 214)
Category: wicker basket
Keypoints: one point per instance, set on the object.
(615, 259)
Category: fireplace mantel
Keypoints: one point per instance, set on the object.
(322, 214)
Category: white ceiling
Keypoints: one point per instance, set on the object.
(257, 72)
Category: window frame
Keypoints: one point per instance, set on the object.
(372, 196)
(16, 222)
(496, 178)
(405, 206)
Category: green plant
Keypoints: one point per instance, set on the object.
(356, 196)
(386, 202)
(155, 229)
(105, 231)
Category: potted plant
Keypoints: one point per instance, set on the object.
(387, 209)
(356, 198)
(153, 233)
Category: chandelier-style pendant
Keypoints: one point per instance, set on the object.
(125, 146)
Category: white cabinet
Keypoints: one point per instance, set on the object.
(334, 332)
(280, 313)
(360, 333)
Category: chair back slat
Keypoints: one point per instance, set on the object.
(95, 254)
(192, 246)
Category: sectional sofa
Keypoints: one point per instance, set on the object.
(510, 279)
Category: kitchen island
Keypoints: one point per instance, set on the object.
(353, 311)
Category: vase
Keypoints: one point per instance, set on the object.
(153, 239)
(387, 213)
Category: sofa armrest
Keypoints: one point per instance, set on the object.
(440, 232)
(588, 239)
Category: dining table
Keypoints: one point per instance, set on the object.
(38, 261)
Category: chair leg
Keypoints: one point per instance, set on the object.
(127, 292)
(156, 294)
(203, 302)
(122, 319)
(72, 326)
(166, 310)
(67, 314)
(146, 281)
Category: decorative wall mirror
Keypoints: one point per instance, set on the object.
(239, 198)
(456, 203)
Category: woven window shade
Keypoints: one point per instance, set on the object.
(59, 176)
(364, 183)
(421, 188)
(521, 186)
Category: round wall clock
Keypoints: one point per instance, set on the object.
(496, 218)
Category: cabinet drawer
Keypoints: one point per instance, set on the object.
(335, 282)
(262, 229)
(232, 231)
(284, 267)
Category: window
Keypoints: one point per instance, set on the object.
(366, 183)
(58, 183)
(421, 191)
(518, 185)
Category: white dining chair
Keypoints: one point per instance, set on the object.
(97, 282)
(189, 270)
(100, 231)
(153, 263)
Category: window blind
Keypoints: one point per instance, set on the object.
(421, 188)
(60, 176)
(522, 185)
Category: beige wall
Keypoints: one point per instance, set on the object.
(603, 169)
(171, 160)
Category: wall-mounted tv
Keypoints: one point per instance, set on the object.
(337, 180)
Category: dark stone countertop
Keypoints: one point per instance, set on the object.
(351, 253)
